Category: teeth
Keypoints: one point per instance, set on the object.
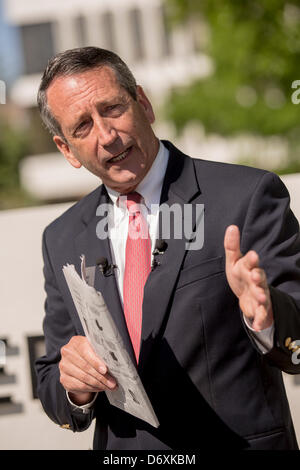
(120, 157)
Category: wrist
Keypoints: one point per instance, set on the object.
(81, 398)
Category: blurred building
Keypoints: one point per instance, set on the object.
(137, 30)
(160, 57)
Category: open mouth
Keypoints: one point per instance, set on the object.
(120, 157)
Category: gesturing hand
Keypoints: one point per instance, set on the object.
(247, 281)
(82, 372)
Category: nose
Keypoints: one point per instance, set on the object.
(107, 134)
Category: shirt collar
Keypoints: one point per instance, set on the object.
(150, 187)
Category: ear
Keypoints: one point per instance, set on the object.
(64, 148)
(145, 103)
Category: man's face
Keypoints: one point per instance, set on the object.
(106, 130)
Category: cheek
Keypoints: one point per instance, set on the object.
(88, 149)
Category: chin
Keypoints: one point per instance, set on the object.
(127, 185)
(121, 186)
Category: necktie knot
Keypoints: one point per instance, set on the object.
(133, 201)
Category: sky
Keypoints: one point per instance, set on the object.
(10, 51)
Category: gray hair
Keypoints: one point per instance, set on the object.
(75, 61)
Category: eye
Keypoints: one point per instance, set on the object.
(114, 110)
(112, 107)
(81, 127)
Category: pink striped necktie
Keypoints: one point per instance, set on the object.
(137, 269)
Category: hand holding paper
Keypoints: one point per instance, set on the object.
(82, 372)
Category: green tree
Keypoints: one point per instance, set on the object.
(13, 147)
(255, 48)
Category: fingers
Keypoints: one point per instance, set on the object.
(81, 370)
(256, 302)
(78, 380)
(251, 260)
(232, 245)
(260, 286)
(259, 295)
(261, 318)
(258, 276)
(80, 352)
(238, 267)
(247, 281)
(233, 252)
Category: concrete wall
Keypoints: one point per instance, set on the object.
(22, 298)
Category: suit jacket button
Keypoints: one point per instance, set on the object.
(293, 346)
(65, 426)
(287, 342)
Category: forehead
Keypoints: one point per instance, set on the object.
(73, 91)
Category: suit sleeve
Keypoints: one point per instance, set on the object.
(272, 230)
(58, 330)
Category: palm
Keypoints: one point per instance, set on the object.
(247, 281)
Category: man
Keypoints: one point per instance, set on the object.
(209, 329)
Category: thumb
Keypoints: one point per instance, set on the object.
(232, 245)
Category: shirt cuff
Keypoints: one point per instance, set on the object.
(85, 408)
(264, 339)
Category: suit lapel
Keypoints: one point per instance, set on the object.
(180, 187)
(93, 248)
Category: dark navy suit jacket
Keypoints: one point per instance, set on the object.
(209, 384)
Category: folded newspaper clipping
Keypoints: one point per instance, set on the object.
(102, 333)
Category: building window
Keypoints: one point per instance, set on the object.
(107, 25)
(166, 37)
(81, 31)
(137, 34)
(38, 46)
(36, 349)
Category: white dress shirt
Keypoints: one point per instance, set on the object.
(118, 217)
(118, 220)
